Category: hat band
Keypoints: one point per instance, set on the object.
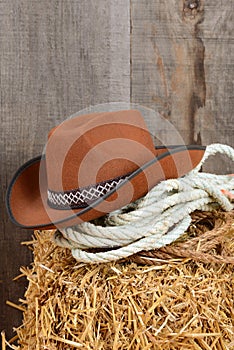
(82, 197)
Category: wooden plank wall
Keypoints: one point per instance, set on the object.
(182, 65)
(56, 57)
(60, 56)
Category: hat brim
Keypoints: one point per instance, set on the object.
(26, 197)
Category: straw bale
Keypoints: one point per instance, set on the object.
(175, 303)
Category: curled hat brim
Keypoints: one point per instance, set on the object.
(26, 197)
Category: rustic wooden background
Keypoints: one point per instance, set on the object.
(59, 56)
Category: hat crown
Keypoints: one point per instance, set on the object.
(97, 147)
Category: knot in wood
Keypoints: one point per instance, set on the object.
(191, 8)
(191, 4)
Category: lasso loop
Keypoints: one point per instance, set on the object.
(154, 221)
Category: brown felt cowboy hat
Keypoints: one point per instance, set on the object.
(93, 164)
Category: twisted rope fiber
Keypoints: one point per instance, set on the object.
(207, 242)
(155, 220)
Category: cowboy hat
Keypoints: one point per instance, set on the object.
(93, 164)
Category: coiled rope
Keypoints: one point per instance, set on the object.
(155, 220)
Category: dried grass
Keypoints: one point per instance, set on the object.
(166, 303)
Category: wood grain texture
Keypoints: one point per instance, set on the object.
(57, 57)
(182, 65)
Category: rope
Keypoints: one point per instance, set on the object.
(155, 220)
(202, 248)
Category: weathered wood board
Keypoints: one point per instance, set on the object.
(182, 65)
(56, 58)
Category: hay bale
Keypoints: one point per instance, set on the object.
(176, 303)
